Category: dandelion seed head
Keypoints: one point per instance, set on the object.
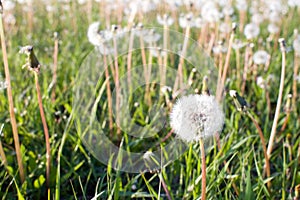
(251, 31)
(93, 34)
(165, 20)
(196, 116)
(261, 57)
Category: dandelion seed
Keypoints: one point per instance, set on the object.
(251, 31)
(261, 57)
(165, 20)
(238, 44)
(195, 117)
(210, 13)
(241, 5)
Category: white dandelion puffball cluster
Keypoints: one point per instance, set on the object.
(196, 116)
(261, 57)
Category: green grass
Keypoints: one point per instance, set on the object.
(77, 174)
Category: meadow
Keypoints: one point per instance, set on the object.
(128, 99)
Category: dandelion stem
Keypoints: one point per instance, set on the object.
(10, 103)
(226, 65)
(179, 77)
(54, 75)
(245, 71)
(117, 84)
(165, 59)
(108, 93)
(262, 139)
(203, 169)
(278, 106)
(129, 58)
(296, 66)
(163, 183)
(46, 132)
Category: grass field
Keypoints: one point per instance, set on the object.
(89, 99)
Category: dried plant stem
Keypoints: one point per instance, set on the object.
(165, 57)
(129, 59)
(220, 65)
(246, 67)
(226, 66)
(46, 132)
(179, 77)
(262, 139)
(242, 15)
(144, 61)
(89, 7)
(163, 183)
(117, 84)
(296, 67)
(54, 75)
(108, 93)
(238, 66)
(11, 104)
(278, 106)
(30, 16)
(203, 169)
(148, 96)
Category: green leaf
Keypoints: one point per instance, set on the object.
(39, 182)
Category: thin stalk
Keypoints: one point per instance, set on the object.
(238, 66)
(287, 112)
(129, 58)
(11, 103)
(246, 67)
(148, 97)
(296, 67)
(262, 139)
(117, 84)
(30, 16)
(143, 55)
(203, 169)
(165, 59)
(46, 132)
(59, 154)
(89, 7)
(109, 96)
(278, 106)
(179, 77)
(163, 183)
(54, 75)
(226, 64)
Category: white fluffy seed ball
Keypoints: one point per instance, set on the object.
(196, 116)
